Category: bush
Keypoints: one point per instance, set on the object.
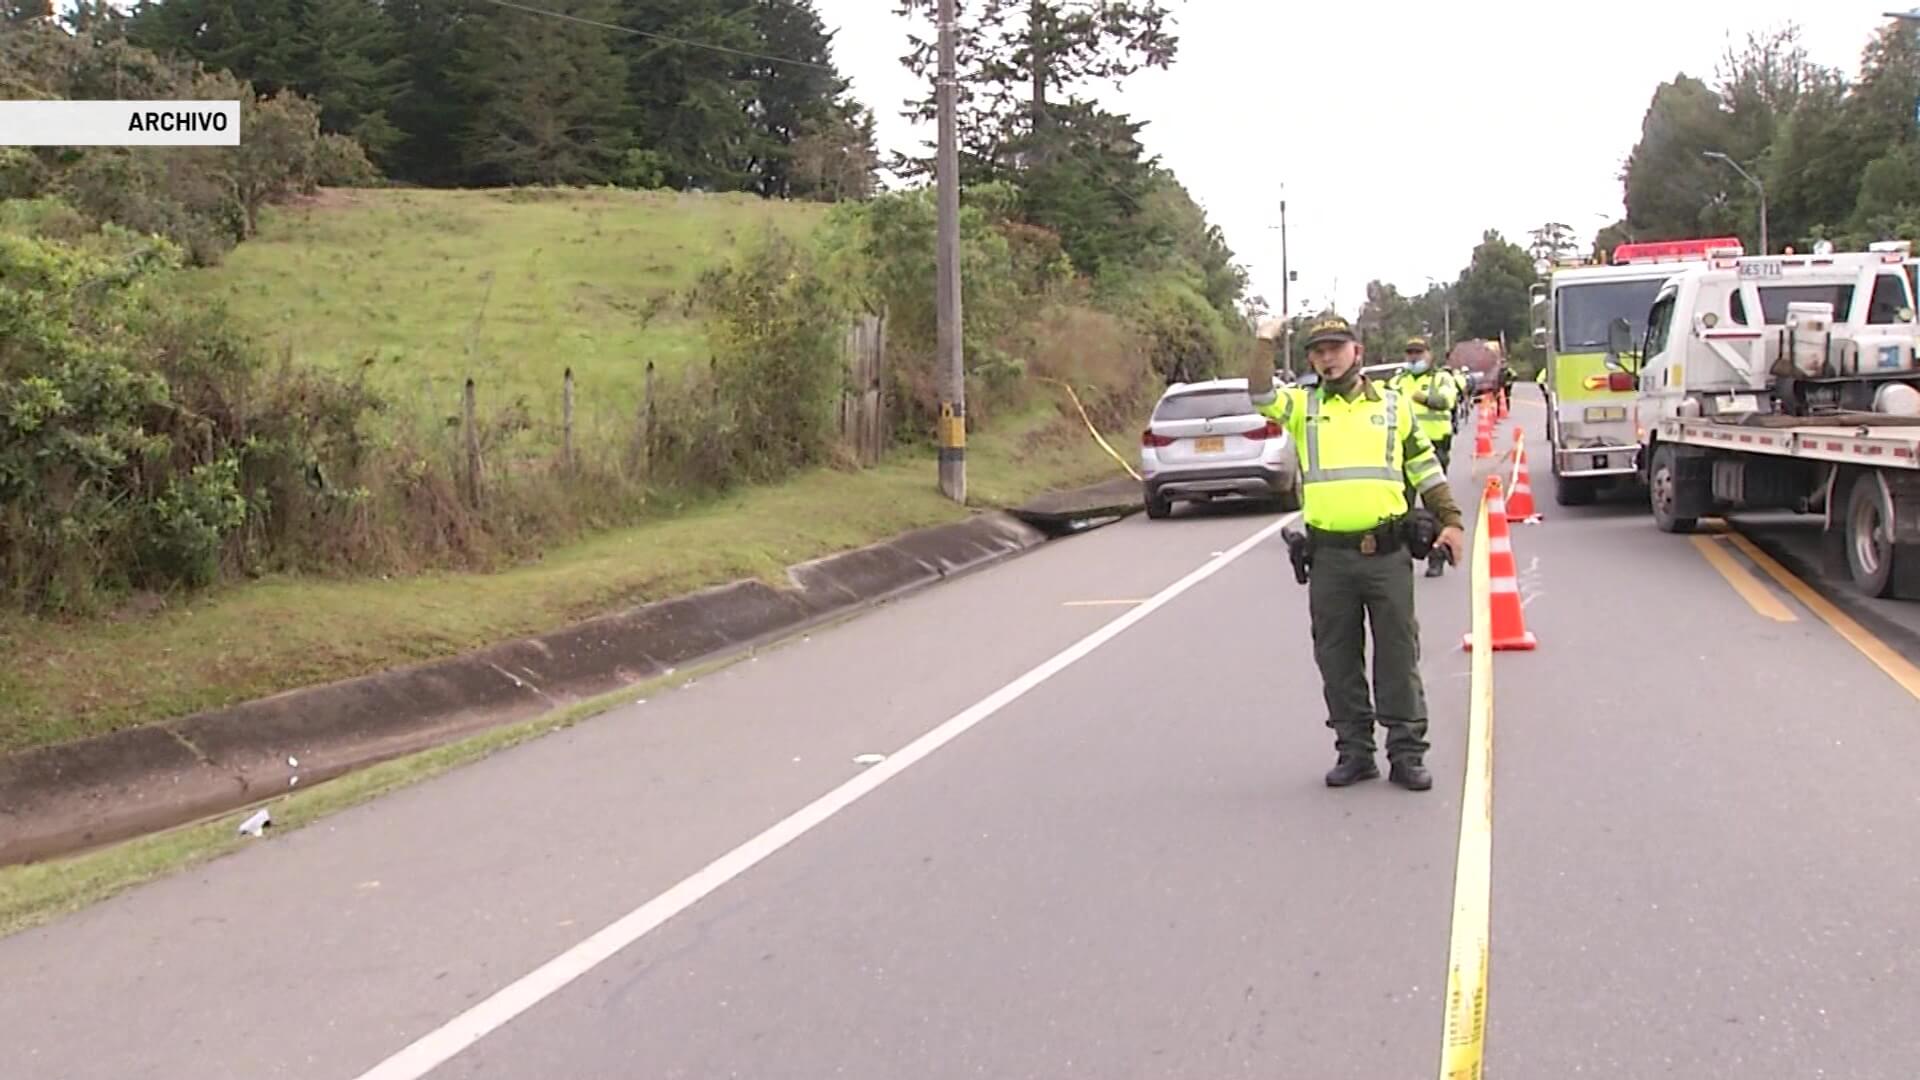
(1105, 359)
(778, 330)
(138, 434)
(188, 523)
(341, 162)
(204, 199)
(1189, 339)
(642, 169)
(881, 255)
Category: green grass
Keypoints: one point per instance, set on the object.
(422, 289)
(165, 659)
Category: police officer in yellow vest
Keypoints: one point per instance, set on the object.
(1361, 454)
(1434, 395)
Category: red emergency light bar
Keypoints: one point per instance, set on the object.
(1675, 250)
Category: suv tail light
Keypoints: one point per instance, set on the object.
(1148, 438)
(1273, 430)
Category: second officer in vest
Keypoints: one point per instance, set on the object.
(1361, 455)
(1433, 395)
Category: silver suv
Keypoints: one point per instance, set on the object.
(1206, 442)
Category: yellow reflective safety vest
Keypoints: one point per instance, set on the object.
(1359, 457)
(1436, 421)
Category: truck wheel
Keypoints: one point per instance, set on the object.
(1158, 506)
(1664, 491)
(1869, 539)
(1571, 491)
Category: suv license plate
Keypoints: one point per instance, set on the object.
(1212, 445)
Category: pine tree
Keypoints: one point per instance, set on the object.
(345, 57)
(436, 101)
(695, 106)
(552, 103)
(1020, 62)
(789, 100)
(253, 39)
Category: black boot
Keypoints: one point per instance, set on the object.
(1409, 773)
(1352, 770)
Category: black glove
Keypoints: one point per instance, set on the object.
(1422, 529)
(1299, 551)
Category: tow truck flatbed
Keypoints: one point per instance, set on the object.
(1869, 439)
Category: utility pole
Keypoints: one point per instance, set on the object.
(1757, 186)
(1286, 308)
(953, 397)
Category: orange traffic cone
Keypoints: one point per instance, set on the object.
(1509, 624)
(1520, 506)
(1483, 436)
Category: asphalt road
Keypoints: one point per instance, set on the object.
(1797, 539)
(1705, 857)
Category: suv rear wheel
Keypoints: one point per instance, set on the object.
(1158, 506)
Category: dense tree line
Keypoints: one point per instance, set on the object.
(1839, 158)
(499, 92)
(1488, 301)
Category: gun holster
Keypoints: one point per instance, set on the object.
(1300, 551)
(1422, 532)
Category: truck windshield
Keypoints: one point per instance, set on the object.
(1774, 300)
(1587, 309)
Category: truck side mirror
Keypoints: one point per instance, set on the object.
(1620, 337)
(1540, 339)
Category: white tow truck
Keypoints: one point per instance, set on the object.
(1789, 382)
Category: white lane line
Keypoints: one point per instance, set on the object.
(438, 1046)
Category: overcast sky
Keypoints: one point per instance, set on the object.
(1273, 92)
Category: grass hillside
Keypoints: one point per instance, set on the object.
(65, 680)
(418, 290)
(423, 289)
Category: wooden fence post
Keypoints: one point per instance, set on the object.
(646, 426)
(566, 420)
(472, 429)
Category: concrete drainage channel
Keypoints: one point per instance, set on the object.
(61, 799)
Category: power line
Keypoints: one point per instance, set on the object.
(660, 37)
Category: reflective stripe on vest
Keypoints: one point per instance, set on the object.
(1390, 472)
(1342, 494)
(1436, 423)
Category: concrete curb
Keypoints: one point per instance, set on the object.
(1067, 512)
(62, 799)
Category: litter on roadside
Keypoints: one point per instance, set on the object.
(257, 824)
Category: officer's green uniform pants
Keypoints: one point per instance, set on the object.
(1347, 591)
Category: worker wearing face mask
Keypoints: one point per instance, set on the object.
(1362, 456)
(1434, 395)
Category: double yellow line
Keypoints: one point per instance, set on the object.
(1879, 653)
(1463, 1053)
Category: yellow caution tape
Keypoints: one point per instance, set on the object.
(1463, 1052)
(1087, 420)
